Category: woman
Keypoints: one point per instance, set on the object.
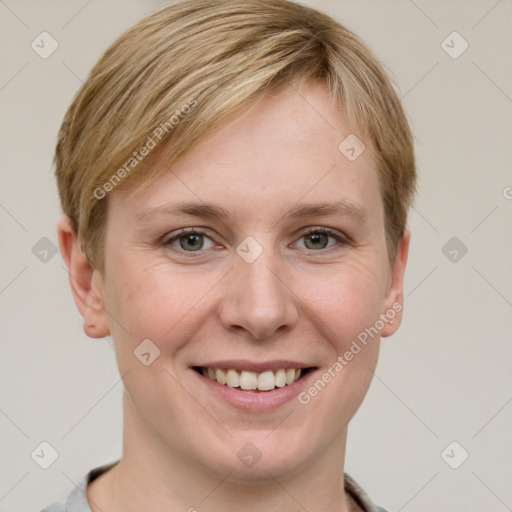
(235, 178)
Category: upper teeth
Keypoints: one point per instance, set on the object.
(246, 380)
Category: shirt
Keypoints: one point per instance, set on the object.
(77, 499)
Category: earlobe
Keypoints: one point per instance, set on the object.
(393, 303)
(85, 282)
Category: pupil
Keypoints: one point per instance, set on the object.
(195, 241)
(316, 238)
(192, 239)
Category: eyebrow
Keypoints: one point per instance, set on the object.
(211, 211)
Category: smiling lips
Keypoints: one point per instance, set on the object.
(251, 381)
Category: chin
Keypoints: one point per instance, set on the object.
(256, 459)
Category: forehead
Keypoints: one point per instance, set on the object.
(277, 153)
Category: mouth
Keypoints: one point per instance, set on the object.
(253, 381)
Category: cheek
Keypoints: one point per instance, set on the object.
(155, 302)
(348, 301)
(348, 304)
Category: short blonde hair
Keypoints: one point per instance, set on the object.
(180, 71)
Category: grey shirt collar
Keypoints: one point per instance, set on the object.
(77, 498)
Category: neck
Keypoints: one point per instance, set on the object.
(150, 477)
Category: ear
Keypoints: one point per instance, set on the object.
(85, 282)
(393, 302)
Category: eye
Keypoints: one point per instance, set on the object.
(317, 238)
(195, 239)
(189, 240)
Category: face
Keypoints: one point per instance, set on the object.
(260, 256)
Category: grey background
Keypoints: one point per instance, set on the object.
(445, 376)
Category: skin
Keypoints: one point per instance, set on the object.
(295, 301)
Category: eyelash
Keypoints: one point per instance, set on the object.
(342, 240)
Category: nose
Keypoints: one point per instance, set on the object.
(258, 301)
